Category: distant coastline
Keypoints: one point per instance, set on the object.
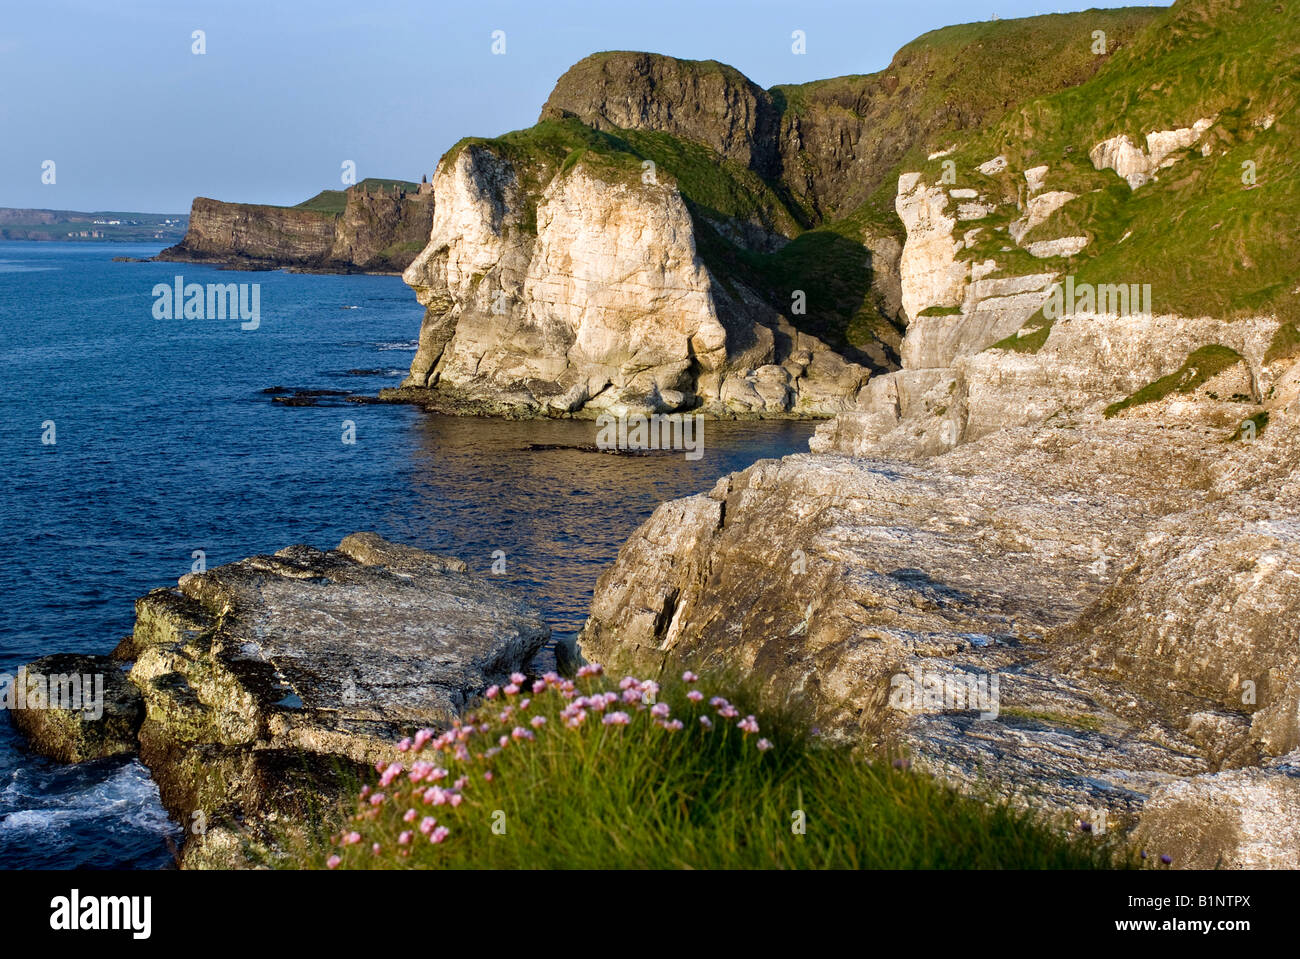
(105, 226)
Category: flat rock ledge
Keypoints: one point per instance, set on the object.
(271, 683)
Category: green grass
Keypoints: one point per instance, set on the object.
(1028, 339)
(641, 796)
(1258, 422)
(334, 201)
(1199, 368)
(945, 86)
(1207, 242)
(1285, 343)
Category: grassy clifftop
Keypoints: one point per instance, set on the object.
(1211, 231)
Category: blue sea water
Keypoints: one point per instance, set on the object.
(166, 443)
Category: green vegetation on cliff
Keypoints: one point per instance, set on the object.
(597, 775)
(1211, 232)
(335, 201)
(1200, 367)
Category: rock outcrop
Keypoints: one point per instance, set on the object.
(375, 230)
(268, 685)
(1122, 581)
(599, 304)
(73, 707)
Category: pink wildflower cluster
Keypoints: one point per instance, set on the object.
(433, 772)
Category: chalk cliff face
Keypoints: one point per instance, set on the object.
(376, 231)
(593, 298)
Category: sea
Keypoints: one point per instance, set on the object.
(135, 446)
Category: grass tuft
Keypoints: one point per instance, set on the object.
(553, 776)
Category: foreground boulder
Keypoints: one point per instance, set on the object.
(1076, 617)
(270, 683)
(73, 708)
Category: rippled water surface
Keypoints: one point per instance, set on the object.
(166, 444)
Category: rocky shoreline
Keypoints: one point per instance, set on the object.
(259, 691)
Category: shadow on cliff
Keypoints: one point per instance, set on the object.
(823, 272)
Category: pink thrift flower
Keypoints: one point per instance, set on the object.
(511, 690)
(706, 722)
(537, 722)
(518, 678)
(689, 677)
(539, 686)
(519, 732)
(632, 696)
(491, 692)
(488, 775)
(377, 799)
(455, 799)
(461, 783)
(764, 745)
(422, 736)
(659, 710)
(405, 838)
(409, 815)
(427, 824)
(627, 682)
(695, 695)
(617, 719)
(673, 726)
(728, 712)
(439, 834)
(404, 745)
(717, 701)
(748, 725)
(375, 848)
(351, 839)
(333, 862)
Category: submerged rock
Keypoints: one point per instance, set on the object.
(271, 682)
(73, 708)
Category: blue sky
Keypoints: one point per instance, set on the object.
(111, 91)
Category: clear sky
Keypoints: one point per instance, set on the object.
(287, 91)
